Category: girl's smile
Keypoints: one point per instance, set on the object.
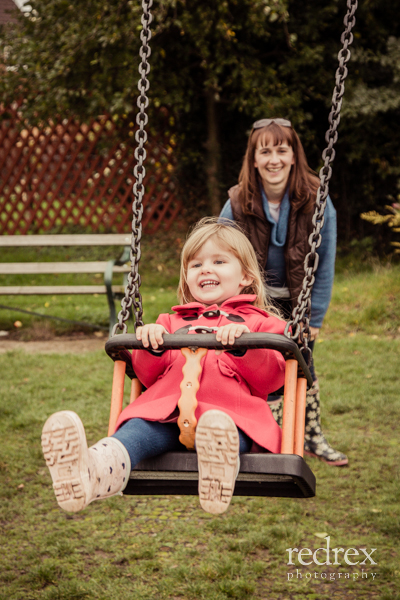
(214, 274)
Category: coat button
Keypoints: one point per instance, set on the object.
(209, 314)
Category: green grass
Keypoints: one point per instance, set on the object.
(167, 547)
(365, 300)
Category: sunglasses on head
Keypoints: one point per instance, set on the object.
(266, 122)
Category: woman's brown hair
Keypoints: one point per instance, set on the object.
(303, 182)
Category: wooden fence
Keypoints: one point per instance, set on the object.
(65, 176)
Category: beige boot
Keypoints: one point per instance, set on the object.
(81, 474)
(217, 446)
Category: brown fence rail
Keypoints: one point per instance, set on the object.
(66, 176)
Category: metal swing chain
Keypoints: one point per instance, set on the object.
(300, 322)
(132, 292)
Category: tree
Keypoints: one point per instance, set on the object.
(203, 54)
(229, 63)
(218, 66)
(368, 149)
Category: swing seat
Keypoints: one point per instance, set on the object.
(261, 474)
(176, 473)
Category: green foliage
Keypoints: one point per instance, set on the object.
(392, 220)
(79, 51)
(249, 58)
(371, 114)
(369, 100)
(86, 53)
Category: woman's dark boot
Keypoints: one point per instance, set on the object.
(276, 407)
(315, 443)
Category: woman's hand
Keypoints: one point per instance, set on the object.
(151, 334)
(227, 334)
(314, 331)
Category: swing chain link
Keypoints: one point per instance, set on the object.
(300, 322)
(133, 296)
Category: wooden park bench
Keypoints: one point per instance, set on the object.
(108, 267)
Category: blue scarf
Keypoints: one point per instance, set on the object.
(279, 229)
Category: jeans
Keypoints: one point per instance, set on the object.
(145, 439)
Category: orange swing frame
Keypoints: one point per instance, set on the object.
(297, 377)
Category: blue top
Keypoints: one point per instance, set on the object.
(275, 267)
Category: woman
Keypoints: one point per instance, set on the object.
(274, 203)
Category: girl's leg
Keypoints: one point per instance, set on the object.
(81, 474)
(145, 439)
(245, 443)
(223, 442)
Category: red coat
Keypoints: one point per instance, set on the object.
(238, 386)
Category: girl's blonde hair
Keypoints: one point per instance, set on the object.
(227, 234)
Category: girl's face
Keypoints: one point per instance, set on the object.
(273, 164)
(214, 274)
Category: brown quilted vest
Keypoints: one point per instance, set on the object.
(258, 230)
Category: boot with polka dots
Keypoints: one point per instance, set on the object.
(81, 474)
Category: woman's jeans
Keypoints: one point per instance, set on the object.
(145, 439)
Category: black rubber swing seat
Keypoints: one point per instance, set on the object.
(261, 474)
(281, 475)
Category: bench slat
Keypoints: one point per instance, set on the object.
(59, 267)
(57, 289)
(91, 239)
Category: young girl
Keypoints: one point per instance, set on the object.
(220, 287)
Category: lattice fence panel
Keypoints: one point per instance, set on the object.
(64, 176)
